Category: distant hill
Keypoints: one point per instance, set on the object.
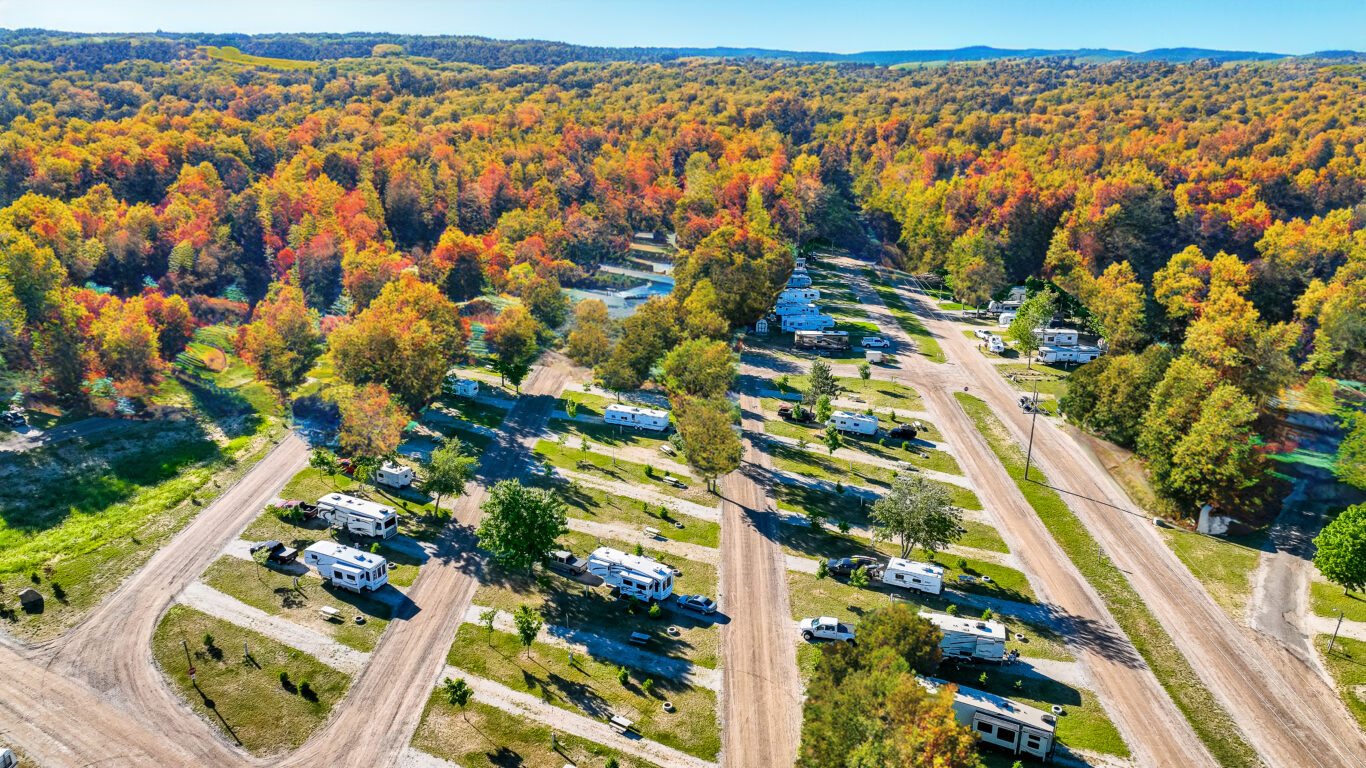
(90, 51)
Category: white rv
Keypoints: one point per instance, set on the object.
(1086, 354)
(460, 387)
(1057, 337)
(792, 295)
(799, 279)
(808, 322)
(347, 567)
(799, 262)
(788, 310)
(821, 339)
(637, 417)
(966, 638)
(858, 423)
(998, 721)
(635, 576)
(1005, 319)
(395, 475)
(908, 574)
(358, 516)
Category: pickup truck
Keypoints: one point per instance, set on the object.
(566, 563)
(826, 628)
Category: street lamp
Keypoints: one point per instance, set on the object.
(1335, 630)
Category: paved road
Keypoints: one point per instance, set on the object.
(762, 693)
(1286, 711)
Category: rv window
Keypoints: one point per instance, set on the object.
(1033, 741)
(985, 728)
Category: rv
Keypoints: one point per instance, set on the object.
(460, 387)
(1005, 319)
(966, 638)
(358, 516)
(789, 310)
(858, 423)
(1017, 294)
(395, 475)
(799, 279)
(873, 356)
(821, 340)
(995, 345)
(1003, 306)
(635, 576)
(637, 417)
(799, 262)
(1000, 722)
(909, 574)
(347, 567)
(1057, 337)
(1086, 354)
(790, 295)
(808, 322)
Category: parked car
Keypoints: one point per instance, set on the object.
(703, 605)
(566, 563)
(826, 628)
(794, 413)
(844, 566)
(902, 432)
(276, 552)
(875, 341)
(982, 334)
(7, 759)
(14, 417)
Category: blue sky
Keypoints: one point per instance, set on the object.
(1284, 26)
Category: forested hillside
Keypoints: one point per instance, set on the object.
(1213, 209)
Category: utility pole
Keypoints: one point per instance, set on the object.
(1033, 417)
(1335, 631)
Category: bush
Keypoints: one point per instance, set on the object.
(859, 578)
(640, 551)
(952, 610)
(822, 570)
(655, 611)
(306, 690)
(648, 685)
(374, 548)
(844, 526)
(987, 614)
(284, 677)
(208, 640)
(839, 487)
(649, 470)
(963, 564)
(623, 676)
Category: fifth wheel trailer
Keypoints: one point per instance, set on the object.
(821, 340)
(858, 423)
(358, 516)
(637, 576)
(347, 567)
(967, 638)
(796, 295)
(808, 322)
(1010, 725)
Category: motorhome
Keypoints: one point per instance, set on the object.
(636, 417)
(635, 576)
(858, 423)
(908, 574)
(968, 638)
(347, 567)
(799, 279)
(790, 295)
(395, 475)
(460, 386)
(808, 322)
(1017, 728)
(1057, 337)
(358, 516)
(821, 340)
(791, 309)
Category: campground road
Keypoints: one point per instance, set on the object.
(1284, 708)
(762, 691)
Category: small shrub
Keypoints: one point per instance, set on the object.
(611, 763)
(839, 487)
(306, 691)
(859, 578)
(987, 614)
(649, 470)
(623, 676)
(284, 677)
(882, 441)
(208, 640)
(571, 407)
(822, 570)
(952, 610)
(982, 678)
(815, 521)
(640, 551)
(374, 548)
(648, 685)
(963, 564)
(655, 611)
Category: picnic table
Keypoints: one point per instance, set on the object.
(639, 638)
(329, 613)
(620, 724)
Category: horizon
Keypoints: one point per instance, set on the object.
(1262, 26)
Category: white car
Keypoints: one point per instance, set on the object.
(826, 628)
(875, 341)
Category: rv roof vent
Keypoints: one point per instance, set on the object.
(981, 625)
(1049, 719)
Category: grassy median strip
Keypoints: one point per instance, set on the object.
(926, 344)
(246, 697)
(591, 687)
(1210, 721)
(790, 458)
(1347, 665)
(588, 503)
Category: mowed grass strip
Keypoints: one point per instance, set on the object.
(790, 458)
(926, 343)
(1224, 566)
(1326, 599)
(622, 471)
(244, 698)
(1207, 717)
(272, 591)
(1347, 665)
(884, 448)
(588, 503)
(876, 392)
(590, 687)
(481, 736)
(231, 54)
(835, 507)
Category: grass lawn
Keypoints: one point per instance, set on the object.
(589, 503)
(1325, 599)
(414, 509)
(591, 688)
(875, 392)
(482, 736)
(835, 507)
(300, 535)
(1347, 665)
(477, 412)
(609, 435)
(798, 430)
(569, 603)
(1050, 377)
(887, 449)
(570, 457)
(1083, 724)
(834, 597)
(926, 343)
(272, 591)
(790, 458)
(244, 698)
(77, 517)
(1222, 565)
(587, 403)
(1210, 720)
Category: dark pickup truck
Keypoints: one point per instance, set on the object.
(276, 552)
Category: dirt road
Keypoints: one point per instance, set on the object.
(762, 695)
(1285, 710)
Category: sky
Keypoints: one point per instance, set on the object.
(845, 26)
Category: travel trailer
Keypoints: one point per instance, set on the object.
(791, 295)
(358, 516)
(395, 475)
(347, 567)
(908, 574)
(821, 340)
(858, 423)
(460, 387)
(799, 279)
(808, 322)
(1057, 337)
(873, 356)
(790, 309)
(1005, 319)
(967, 638)
(635, 576)
(637, 417)
(1017, 728)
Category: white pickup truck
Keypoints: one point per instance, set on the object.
(826, 628)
